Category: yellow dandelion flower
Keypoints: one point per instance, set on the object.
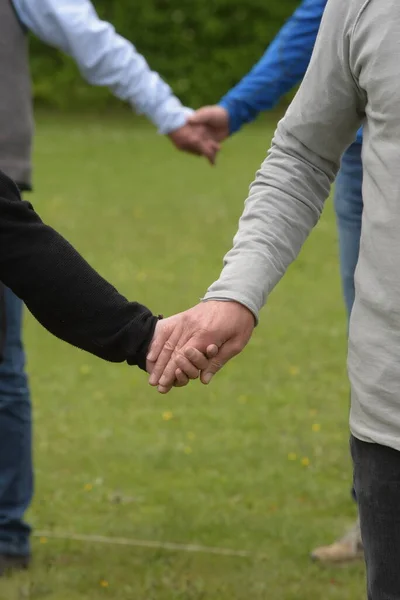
(88, 487)
(191, 436)
(294, 370)
(167, 415)
(43, 540)
(85, 370)
(187, 450)
(316, 427)
(305, 461)
(292, 456)
(103, 583)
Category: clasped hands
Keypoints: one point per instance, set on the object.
(197, 343)
(203, 132)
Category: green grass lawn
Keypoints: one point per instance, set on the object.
(257, 462)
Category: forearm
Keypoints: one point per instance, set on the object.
(288, 194)
(284, 204)
(61, 289)
(104, 57)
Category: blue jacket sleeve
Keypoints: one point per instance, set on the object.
(282, 66)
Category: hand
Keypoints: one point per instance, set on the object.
(215, 117)
(191, 336)
(163, 331)
(196, 139)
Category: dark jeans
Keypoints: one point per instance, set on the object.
(377, 485)
(16, 478)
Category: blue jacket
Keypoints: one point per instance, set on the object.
(282, 66)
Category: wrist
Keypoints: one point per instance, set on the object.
(229, 114)
(174, 122)
(233, 301)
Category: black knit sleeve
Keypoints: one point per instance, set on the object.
(61, 289)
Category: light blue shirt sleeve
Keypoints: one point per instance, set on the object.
(104, 57)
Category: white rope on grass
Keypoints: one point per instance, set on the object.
(101, 539)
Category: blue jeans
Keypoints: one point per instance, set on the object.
(16, 473)
(348, 207)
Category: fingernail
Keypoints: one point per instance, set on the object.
(152, 380)
(207, 378)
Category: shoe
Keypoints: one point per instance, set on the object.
(347, 549)
(9, 562)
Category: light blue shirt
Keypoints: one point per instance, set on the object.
(104, 58)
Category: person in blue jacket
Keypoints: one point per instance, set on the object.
(282, 66)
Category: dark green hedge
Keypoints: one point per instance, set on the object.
(201, 47)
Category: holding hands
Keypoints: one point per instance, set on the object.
(197, 342)
(215, 118)
(203, 132)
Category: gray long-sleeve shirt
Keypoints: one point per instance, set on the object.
(353, 78)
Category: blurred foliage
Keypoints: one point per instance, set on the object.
(201, 48)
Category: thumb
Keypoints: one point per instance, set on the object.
(200, 117)
(226, 352)
(212, 351)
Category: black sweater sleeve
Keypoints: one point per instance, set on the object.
(62, 290)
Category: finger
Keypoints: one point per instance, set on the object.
(164, 356)
(194, 358)
(212, 350)
(163, 389)
(211, 156)
(180, 379)
(179, 360)
(190, 369)
(226, 352)
(210, 151)
(200, 117)
(167, 378)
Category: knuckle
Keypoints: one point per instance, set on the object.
(190, 353)
(169, 346)
(216, 365)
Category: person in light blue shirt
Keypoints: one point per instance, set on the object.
(105, 59)
(283, 66)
